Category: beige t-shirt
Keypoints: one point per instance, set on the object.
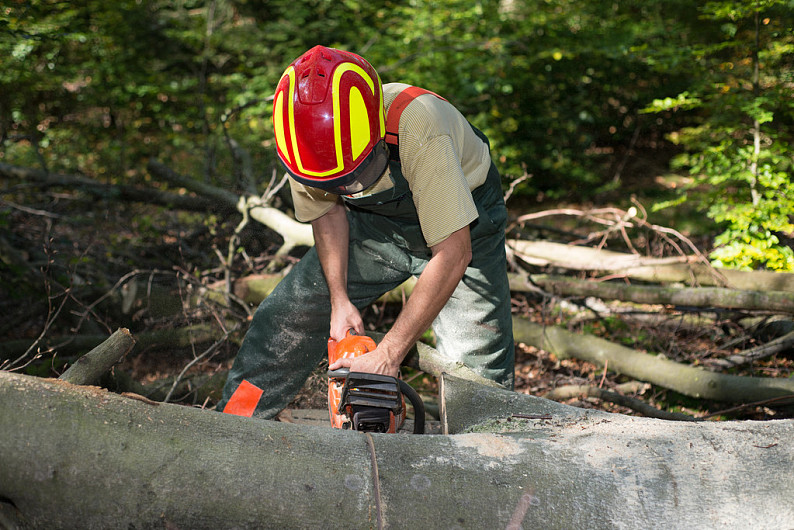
(442, 159)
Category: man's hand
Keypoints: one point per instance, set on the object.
(434, 287)
(345, 316)
(378, 361)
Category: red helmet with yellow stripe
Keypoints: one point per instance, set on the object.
(329, 121)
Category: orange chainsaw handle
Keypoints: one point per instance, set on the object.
(349, 347)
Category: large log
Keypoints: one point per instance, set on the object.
(77, 457)
(767, 301)
(686, 270)
(688, 380)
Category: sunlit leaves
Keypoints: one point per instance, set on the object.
(740, 154)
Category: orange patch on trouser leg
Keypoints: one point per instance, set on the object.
(244, 400)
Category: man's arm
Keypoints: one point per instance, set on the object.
(433, 288)
(331, 239)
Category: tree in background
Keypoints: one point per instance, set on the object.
(739, 152)
(99, 87)
(556, 85)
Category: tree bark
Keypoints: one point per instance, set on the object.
(688, 380)
(78, 457)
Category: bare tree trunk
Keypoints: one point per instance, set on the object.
(775, 301)
(78, 457)
(661, 270)
(685, 379)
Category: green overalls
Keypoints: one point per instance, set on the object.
(289, 331)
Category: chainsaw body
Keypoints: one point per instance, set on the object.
(367, 402)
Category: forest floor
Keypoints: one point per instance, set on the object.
(538, 372)
(81, 250)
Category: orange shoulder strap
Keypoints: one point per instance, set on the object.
(396, 109)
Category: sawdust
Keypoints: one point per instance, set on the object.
(489, 445)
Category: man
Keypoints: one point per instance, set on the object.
(395, 183)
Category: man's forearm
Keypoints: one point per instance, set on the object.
(431, 292)
(331, 238)
(331, 235)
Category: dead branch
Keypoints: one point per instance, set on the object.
(93, 365)
(763, 351)
(95, 188)
(676, 269)
(704, 297)
(571, 391)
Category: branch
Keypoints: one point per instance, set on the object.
(94, 364)
(780, 344)
(777, 301)
(110, 191)
(677, 269)
(571, 391)
(293, 232)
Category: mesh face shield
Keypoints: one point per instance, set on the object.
(361, 178)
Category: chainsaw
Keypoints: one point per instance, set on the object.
(367, 402)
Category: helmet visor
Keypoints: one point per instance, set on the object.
(361, 178)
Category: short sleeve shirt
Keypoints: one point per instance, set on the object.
(442, 159)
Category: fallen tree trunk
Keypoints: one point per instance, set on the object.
(684, 270)
(716, 297)
(77, 457)
(149, 195)
(687, 380)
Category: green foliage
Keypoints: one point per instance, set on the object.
(556, 85)
(739, 152)
(566, 91)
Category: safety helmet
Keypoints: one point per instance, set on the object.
(329, 121)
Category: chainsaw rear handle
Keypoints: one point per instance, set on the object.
(406, 389)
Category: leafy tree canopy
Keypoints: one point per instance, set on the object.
(568, 92)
